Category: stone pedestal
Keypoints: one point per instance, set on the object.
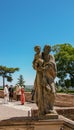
(49, 116)
(34, 112)
(31, 124)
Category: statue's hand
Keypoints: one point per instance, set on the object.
(45, 67)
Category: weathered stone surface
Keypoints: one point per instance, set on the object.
(34, 112)
(29, 124)
(44, 86)
(51, 115)
(33, 124)
(66, 111)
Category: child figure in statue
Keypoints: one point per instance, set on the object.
(37, 62)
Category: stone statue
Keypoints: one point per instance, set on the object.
(44, 86)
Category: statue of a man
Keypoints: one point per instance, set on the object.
(44, 85)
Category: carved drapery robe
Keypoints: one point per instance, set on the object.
(44, 85)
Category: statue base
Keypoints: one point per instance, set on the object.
(51, 115)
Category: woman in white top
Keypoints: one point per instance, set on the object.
(18, 92)
(6, 94)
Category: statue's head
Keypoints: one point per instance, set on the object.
(47, 48)
(37, 48)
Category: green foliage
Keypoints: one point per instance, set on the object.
(71, 91)
(6, 72)
(65, 91)
(9, 79)
(28, 89)
(21, 81)
(64, 56)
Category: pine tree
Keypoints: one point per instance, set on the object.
(7, 72)
(21, 81)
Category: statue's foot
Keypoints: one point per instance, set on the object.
(51, 111)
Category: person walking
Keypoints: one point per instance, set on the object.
(11, 93)
(18, 92)
(32, 93)
(22, 96)
(6, 94)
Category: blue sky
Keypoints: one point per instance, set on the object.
(26, 23)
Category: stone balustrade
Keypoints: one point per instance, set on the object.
(67, 123)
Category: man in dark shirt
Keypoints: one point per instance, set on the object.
(11, 93)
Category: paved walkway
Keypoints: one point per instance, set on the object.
(15, 109)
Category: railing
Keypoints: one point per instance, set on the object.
(68, 124)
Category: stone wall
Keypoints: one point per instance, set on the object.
(27, 95)
(67, 112)
(1, 94)
(67, 124)
(62, 100)
(65, 105)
